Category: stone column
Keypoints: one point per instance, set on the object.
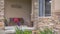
(35, 9)
(2, 17)
(56, 15)
(1, 13)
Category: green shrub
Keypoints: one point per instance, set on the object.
(27, 32)
(18, 31)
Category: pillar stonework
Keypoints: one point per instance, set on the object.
(1, 13)
(35, 9)
(2, 17)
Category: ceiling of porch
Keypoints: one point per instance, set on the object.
(18, 0)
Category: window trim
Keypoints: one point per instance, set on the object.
(44, 12)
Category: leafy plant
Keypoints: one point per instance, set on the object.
(27, 32)
(18, 31)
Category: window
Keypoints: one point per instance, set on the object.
(44, 8)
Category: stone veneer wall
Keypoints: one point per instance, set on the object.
(51, 22)
(1, 13)
(35, 9)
